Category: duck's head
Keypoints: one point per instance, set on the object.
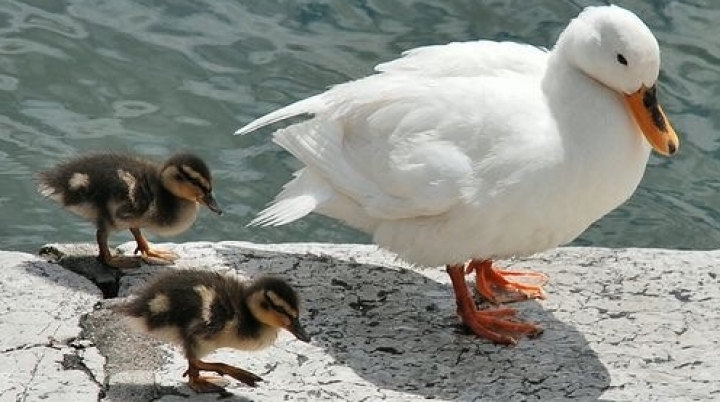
(614, 47)
(273, 302)
(188, 177)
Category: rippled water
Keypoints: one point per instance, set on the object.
(156, 76)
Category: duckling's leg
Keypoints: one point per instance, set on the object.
(198, 383)
(488, 324)
(496, 287)
(106, 257)
(151, 256)
(202, 384)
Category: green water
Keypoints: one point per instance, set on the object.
(157, 76)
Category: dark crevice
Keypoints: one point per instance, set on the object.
(105, 278)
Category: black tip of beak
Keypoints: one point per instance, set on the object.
(672, 148)
(212, 205)
(299, 332)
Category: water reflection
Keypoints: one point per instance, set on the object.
(153, 77)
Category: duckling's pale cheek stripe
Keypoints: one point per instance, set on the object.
(278, 301)
(207, 296)
(190, 172)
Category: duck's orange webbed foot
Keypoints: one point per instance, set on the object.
(503, 286)
(491, 324)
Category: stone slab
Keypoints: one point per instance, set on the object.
(620, 325)
(41, 356)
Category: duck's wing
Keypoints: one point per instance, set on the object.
(469, 59)
(404, 143)
(397, 147)
(457, 59)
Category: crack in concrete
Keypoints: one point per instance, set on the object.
(27, 346)
(33, 373)
(105, 385)
(73, 361)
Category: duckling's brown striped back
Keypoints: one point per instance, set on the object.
(198, 304)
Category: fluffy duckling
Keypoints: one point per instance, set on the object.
(203, 311)
(118, 191)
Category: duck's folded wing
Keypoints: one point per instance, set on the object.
(380, 144)
(469, 59)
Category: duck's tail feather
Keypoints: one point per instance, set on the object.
(299, 197)
(308, 106)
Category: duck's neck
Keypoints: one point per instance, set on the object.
(603, 147)
(574, 99)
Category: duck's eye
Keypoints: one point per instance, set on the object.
(622, 60)
(265, 305)
(179, 177)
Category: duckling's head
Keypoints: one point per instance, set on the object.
(274, 303)
(188, 177)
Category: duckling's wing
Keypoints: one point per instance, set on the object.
(109, 182)
(135, 196)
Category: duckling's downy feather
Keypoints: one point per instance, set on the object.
(200, 311)
(120, 191)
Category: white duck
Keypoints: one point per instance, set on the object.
(482, 150)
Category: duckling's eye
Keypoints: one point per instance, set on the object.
(265, 305)
(179, 177)
(622, 60)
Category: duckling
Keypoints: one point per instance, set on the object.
(119, 191)
(202, 311)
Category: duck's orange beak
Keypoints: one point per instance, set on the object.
(652, 121)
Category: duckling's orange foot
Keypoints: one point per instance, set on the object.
(495, 285)
(121, 262)
(157, 257)
(207, 384)
(243, 376)
(237, 373)
(149, 255)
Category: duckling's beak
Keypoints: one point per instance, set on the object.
(210, 202)
(296, 329)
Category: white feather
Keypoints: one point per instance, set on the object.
(307, 106)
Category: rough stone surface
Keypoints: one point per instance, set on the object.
(621, 325)
(41, 357)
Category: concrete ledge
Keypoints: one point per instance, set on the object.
(42, 355)
(635, 325)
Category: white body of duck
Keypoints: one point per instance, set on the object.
(480, 150)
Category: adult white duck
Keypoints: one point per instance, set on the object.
(482, 150)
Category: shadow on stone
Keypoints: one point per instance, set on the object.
(39, 269)
(130, 391)
(81, 259)
(397, 329)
